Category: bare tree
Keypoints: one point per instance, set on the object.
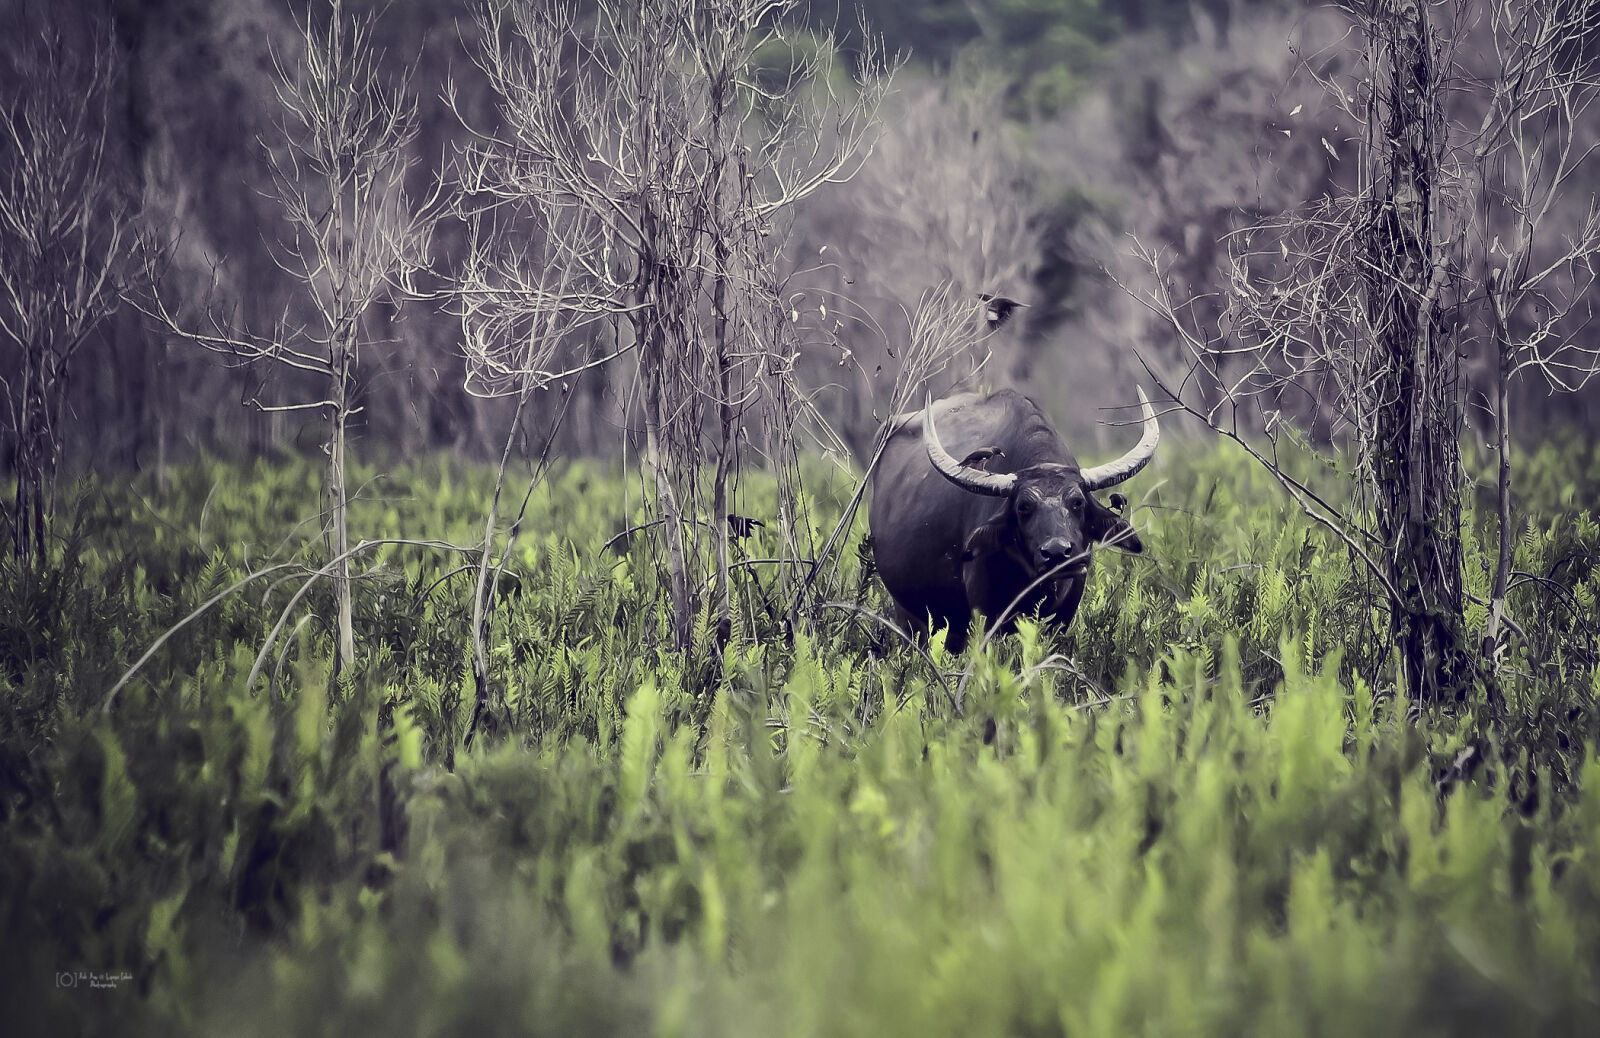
(654, 154)
(64, 244)
(1534, 250)
(355, 237)
(1358, 311)
(511, 299)
(1178, 145)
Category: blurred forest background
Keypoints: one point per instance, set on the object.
(1025, 146)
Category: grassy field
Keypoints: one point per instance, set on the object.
(1200, 811)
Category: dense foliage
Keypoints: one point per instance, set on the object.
(1201, 810)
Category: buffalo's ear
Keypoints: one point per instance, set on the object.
(1111, 529)
(1121, 535)
(985, 540)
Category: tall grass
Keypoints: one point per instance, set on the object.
(1202, 810)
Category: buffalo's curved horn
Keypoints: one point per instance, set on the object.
(1098, 477)
(967, 477)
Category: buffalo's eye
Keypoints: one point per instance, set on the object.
(1075, 503)
(1024, 507)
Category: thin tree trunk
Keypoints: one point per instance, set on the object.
(672, 519)
(651, 346)
(339, 509)
(483, 595)
(727, 456)
(1412, 379)
(31, 463)
(649, 335)
(1502, 422)
(726, 459)
(26, 507)
(483, 608)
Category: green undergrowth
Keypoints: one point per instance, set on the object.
(1202, 810)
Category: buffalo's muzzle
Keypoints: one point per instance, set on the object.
(1057, 549)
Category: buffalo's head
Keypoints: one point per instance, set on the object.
(1052, 516)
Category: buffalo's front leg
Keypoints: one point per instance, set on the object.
(921, 626)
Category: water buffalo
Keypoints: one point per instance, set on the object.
(953, 536)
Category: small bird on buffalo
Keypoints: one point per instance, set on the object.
(743, 526)
(1000, 309)
(980, 457)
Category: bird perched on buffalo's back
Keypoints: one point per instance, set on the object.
(999, 310)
